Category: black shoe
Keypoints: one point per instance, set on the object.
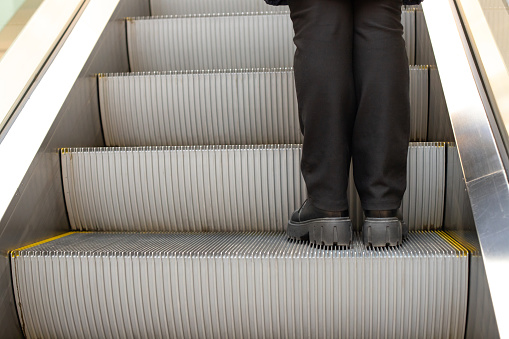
(320, 226)
(382, 228)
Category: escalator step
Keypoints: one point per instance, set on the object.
(255, 285)
(215, 188)
(179, 7)
(232, 41)
(218, 107)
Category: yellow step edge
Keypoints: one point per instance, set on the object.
(453, 242)
(15, 253)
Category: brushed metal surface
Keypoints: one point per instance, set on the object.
(458, 212)
(239, 285)
(218, 107)
(219, 188)
(419, 99)
(215, 41)
(439, 125)
(408, 21)
(423, 50)
(481, 322)
(37, 209)
(422, 207)
(481, 161)
(179, 7)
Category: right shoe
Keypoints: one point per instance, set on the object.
(321, 227)
(383, 228)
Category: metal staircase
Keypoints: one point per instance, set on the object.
(178, 224)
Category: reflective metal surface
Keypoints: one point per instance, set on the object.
(18, 68)
(248, 285)
(487, 25)
(482, 166)
(37, 209)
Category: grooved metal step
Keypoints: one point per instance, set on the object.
(228, 41)
(179, 7)
(235, 285)
(218, 107)
(215, 188)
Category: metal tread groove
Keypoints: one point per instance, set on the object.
(239, 285)
(220, 188)
(218, 107)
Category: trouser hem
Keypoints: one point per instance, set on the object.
(381, 205)
(332, 206)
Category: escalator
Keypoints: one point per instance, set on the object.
(177, 222)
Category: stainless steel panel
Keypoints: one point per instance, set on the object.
(210, 42)
(257, 285)
(38, 209)
(178, 7)
(220, 188)
(481, 161)
(422, 207)
(217, 107)
(458, 212)
(229, 41)
(439, 127)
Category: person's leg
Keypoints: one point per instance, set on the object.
(327, 106)
(382, 125)
(326, 96)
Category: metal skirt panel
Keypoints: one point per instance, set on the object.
(216, 188)
(458, 211)
(178, 7)
(204, 108)
(218, 108)
(422, 207)
(255, 285)
(211, 42)
(230, 41)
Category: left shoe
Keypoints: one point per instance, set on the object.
(321, 227)
(383, 228)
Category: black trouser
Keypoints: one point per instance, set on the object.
(351, 75)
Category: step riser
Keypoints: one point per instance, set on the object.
(222, 42)
(193, 286)
(218, 189)
(219, 108)
(179, 7)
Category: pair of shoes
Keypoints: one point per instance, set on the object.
(321, 227)
(383, 228)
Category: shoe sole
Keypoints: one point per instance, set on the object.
(326, 231)
(381, 232)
